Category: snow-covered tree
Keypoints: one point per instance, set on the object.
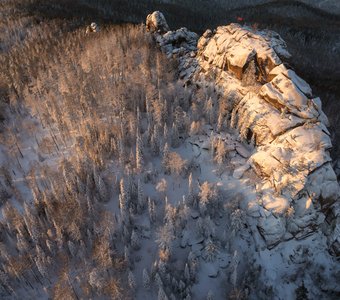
(166, 134)
(210, 251)
(166, 158)
(220, 123)
(135, 241)
(72, 248)
(124, 200)
(233, 120)
(162, 187)
(146, 279)
(139, 152)
(131, 280)
(165, 237)
(234, 265)
(187, 273)
(127, 256)
(176, 164)
(221, 151)
(102, 189)
(161, 294)
(152, 210)
(158, 280)
(192, 191)
(210, 295)
(237, 221)
(207, 195)
(140, 197)
(210, 110)
(155, 141)
(174, 136)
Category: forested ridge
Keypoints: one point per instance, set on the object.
(100, 195)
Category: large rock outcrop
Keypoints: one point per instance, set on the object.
(275, 109)
(156, 22)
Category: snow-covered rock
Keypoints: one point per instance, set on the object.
(283, 119)
(272, 229)
(93, 27)
(238, 173)
(275, 110)
(234, 46)
(156, 22)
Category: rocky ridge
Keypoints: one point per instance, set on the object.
(273, 109)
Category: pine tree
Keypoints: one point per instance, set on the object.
(103, 193)
(237, 221)
(121, 153)
(191, 191)
(161, 294)
(151, 210)
(124, 198)
(210, 295)
(165, 161)
(155, 141)
(233, 119)
(158, 280)
(220, 123)
(221, 151)
(301, 292)
(166, 135)
(234, 265)
(174, 136)
(131, 280)
(141, 197)
(139, 152)
(127, 255)
(187, 274)
(209, 110)
(72, 248)
(146, 279)
(174, 284)
(181, 286)
(210, 251)
(135, 242)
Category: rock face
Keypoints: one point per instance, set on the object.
(275, 109)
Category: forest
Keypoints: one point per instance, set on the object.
(86, 133)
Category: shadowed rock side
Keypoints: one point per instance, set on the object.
(274, 109)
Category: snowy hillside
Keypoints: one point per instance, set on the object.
(145, 162)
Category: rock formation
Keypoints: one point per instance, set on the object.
(156, 22)
(275, 109)
(93, 27)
